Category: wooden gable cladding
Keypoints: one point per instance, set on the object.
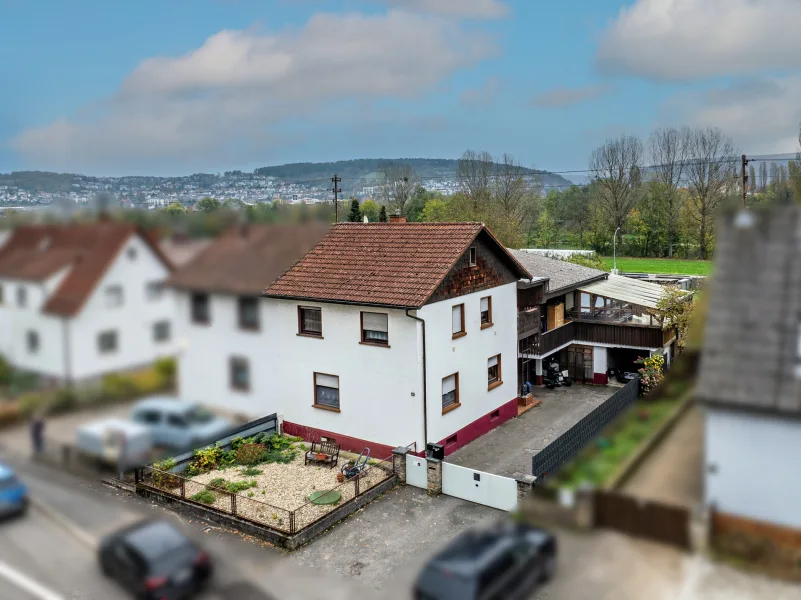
(491, 270)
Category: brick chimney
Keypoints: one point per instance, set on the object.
(397, 219)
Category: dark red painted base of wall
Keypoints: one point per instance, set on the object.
(600, 378)
(538, 379)
(351, 444)
(481, 426)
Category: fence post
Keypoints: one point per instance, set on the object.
(137, 475)
(292, 522)
(183, 488)
(399, 462)
(233, 503)
(358, 477)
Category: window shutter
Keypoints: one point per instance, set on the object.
(457, 319)
(328, 381)
(374, 321)
(448, 384)
(485, 304)
(492, 361)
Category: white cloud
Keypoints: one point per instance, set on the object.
(679, 40)
(226, 100)
(561, 97)
(471, 9)
(761, 115)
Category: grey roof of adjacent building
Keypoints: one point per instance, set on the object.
(562, 274)
(750, 357)
(633, 291)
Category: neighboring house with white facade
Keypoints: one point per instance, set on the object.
(388, 334)
(79, 301)
(750, 375)
(226, 334)
(590, 321)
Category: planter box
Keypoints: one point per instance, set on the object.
(526, 400)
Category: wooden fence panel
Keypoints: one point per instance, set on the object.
(643, 518)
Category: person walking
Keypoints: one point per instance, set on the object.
(37, 432)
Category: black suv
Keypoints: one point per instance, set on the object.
(506, 561)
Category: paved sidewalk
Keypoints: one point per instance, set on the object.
(508, 449)
(673, 472)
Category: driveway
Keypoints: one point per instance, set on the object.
(508, 449)
(672, 473)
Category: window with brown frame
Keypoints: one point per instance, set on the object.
(248, 310)
(32, 339)
(494, 372)
(450, 393)
(200, 309)
(326, 391)
(240, 373)
(310, 321)
(457, 321)
(486, 312)
(375, 328)
(471, 256)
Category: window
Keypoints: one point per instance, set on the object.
(161, 331)
(154, 290)
(326, 391)
(471, 255)
(177, 421)
(32, 340)
(494, 372)
(457, 321)
(22, 297)
(249, 313)
(113, 296)
(486, 312)
(132, 253)
(147, 417)
(1, 295)
(375, 328)
(240, 374)
(450, 392)
(107, 342)
(310, 321)
(200, 308)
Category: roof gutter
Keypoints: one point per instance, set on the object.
(574, 286)
(345, 302)
(425, 378)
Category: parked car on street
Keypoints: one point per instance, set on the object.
(503, 562)
(154, 560)
(13, 493)
(115, 443)
(178, 424)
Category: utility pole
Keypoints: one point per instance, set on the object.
(745, 180)
(335, 180)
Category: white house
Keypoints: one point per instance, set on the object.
(383, 334)
(79, 301)
(750, 374)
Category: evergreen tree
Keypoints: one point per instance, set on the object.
(382, 216)
(355, 214)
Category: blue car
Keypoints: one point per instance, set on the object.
(13, 493)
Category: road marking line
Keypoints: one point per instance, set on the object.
(27, 584)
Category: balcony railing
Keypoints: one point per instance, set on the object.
(599, 333)
(528, 321)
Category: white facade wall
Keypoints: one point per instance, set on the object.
(468, 356)
(133, 320)
(754, 459)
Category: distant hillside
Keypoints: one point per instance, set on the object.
(363, 171)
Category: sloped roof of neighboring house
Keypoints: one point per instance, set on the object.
(751, 350)
(37, 252)
(634, 291)
(182, 252)
(246, 259)
(562, 274)
(385, 264)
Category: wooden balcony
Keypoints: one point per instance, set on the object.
(601, 333)
(528, 322)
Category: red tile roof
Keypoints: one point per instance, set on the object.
(386, 264)
(246, 260)
(37, 252)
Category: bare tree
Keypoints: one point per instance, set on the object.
(474, 175)
(668, 153)
(514, 190)
(397, 183)
(711, 169)
(763, 176)
(616, 172)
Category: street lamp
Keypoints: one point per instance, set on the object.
(614, 252)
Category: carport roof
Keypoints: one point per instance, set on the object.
(626, 289)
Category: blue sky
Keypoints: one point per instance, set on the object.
(206, 85)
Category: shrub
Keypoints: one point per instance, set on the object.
(251, 471)
(236, 443)
(9, 413)
(651, 372)
(63, 401)
(30, 403)
(238, 486)
(6, 371)
(218, 482)
(206, 459)
(162, 478)
(166, 369)
(205, 497)
(250, 454)
(118, 387)
(147, 382)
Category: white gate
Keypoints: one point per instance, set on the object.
(477, 486)
(416, 471)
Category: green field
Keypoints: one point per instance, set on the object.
(660, 265)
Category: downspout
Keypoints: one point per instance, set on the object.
(67, 355)
(425, 379)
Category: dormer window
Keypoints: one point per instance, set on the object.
(471, 256)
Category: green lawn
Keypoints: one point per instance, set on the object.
(660, 265)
